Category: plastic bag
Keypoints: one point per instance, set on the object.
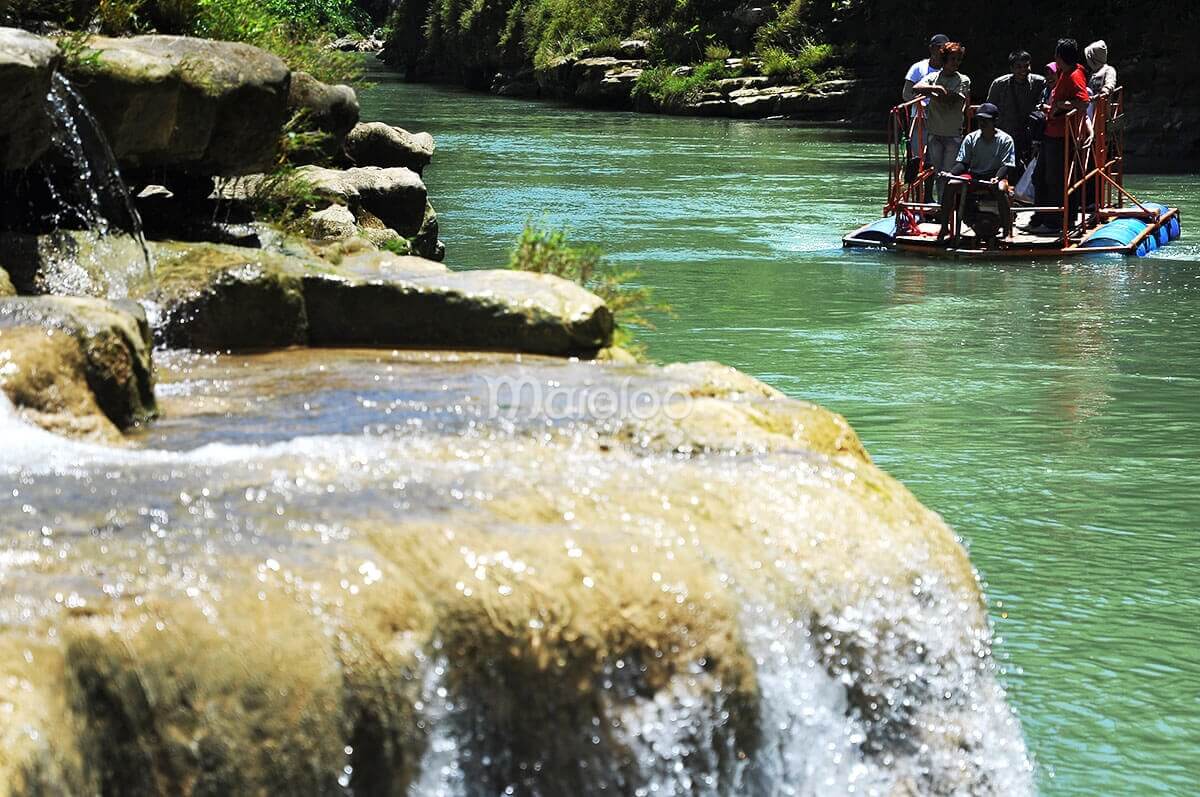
(1024, 192)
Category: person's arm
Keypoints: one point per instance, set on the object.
(928, 88)
(1008, 162)
(1077, 100)
(964, 157)
(907, 94)
(996, 93)
(1110, 80)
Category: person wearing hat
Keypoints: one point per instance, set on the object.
(987, 155)
(918, 71)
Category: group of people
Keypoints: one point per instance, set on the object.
(1023, 118)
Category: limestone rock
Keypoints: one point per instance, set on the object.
(196, 105)
(216, 297)
(6, 286)
(330, 109)
(382, 299)
(334, 223)
(379, 144)
(396, 195)
(27, 64)
(77, 365)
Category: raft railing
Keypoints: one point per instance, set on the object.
(1093, 164)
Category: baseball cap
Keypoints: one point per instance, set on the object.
(987, 111)
(939, 38)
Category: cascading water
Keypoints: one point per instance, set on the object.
(77, 185)
(366, 571)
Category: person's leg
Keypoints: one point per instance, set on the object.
(933, 157)
(946, 152)
(1052, 179)
(950, 199)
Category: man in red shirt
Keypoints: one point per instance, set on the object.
(1070, 94)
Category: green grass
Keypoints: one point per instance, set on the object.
(670, 90)
(805, 66)
(296, 30)
(547, 251)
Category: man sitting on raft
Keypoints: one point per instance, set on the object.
(986, 156)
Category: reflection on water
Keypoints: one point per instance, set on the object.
(1047, 410)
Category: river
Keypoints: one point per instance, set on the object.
(1046, 410)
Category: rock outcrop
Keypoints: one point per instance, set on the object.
(218, 298)
(379, 144)
(192, 105)
(27, 65)
(396, 196)
(77, 366)
(332, 110)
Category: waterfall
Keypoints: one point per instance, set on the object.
(77, 187)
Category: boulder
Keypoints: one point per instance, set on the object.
(332, 110)
(425, 243)
(216, 297)
(77, 365)
(383, 299)
(194, 105)
(396, 195)
(334, 223)
(379, 144)
(27, 64)
(6, 286)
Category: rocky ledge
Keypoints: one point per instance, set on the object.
(492, 589)
(608, 81)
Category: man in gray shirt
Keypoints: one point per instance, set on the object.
(1017, 95)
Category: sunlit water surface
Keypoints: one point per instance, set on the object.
(1046, 409)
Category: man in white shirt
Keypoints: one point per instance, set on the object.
(918, 71)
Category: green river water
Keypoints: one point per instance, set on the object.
(1047, 410)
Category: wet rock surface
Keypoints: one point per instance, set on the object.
(485, 579)
(77, 366)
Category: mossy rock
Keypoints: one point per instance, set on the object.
(206, 107)
(75, 365)
(384, 299)
(216, 297)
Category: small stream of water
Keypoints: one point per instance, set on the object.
(1047, 410)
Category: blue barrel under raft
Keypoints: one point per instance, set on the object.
(1123, 232)
(877, 233)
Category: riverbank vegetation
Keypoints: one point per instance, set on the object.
(543, 250)
(296, 30)
(477, 39)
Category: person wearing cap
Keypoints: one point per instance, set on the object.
(987, 156)
(1017, 95)
(949, 91)
(918, 71)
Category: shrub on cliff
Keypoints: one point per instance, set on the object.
(670, 90)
